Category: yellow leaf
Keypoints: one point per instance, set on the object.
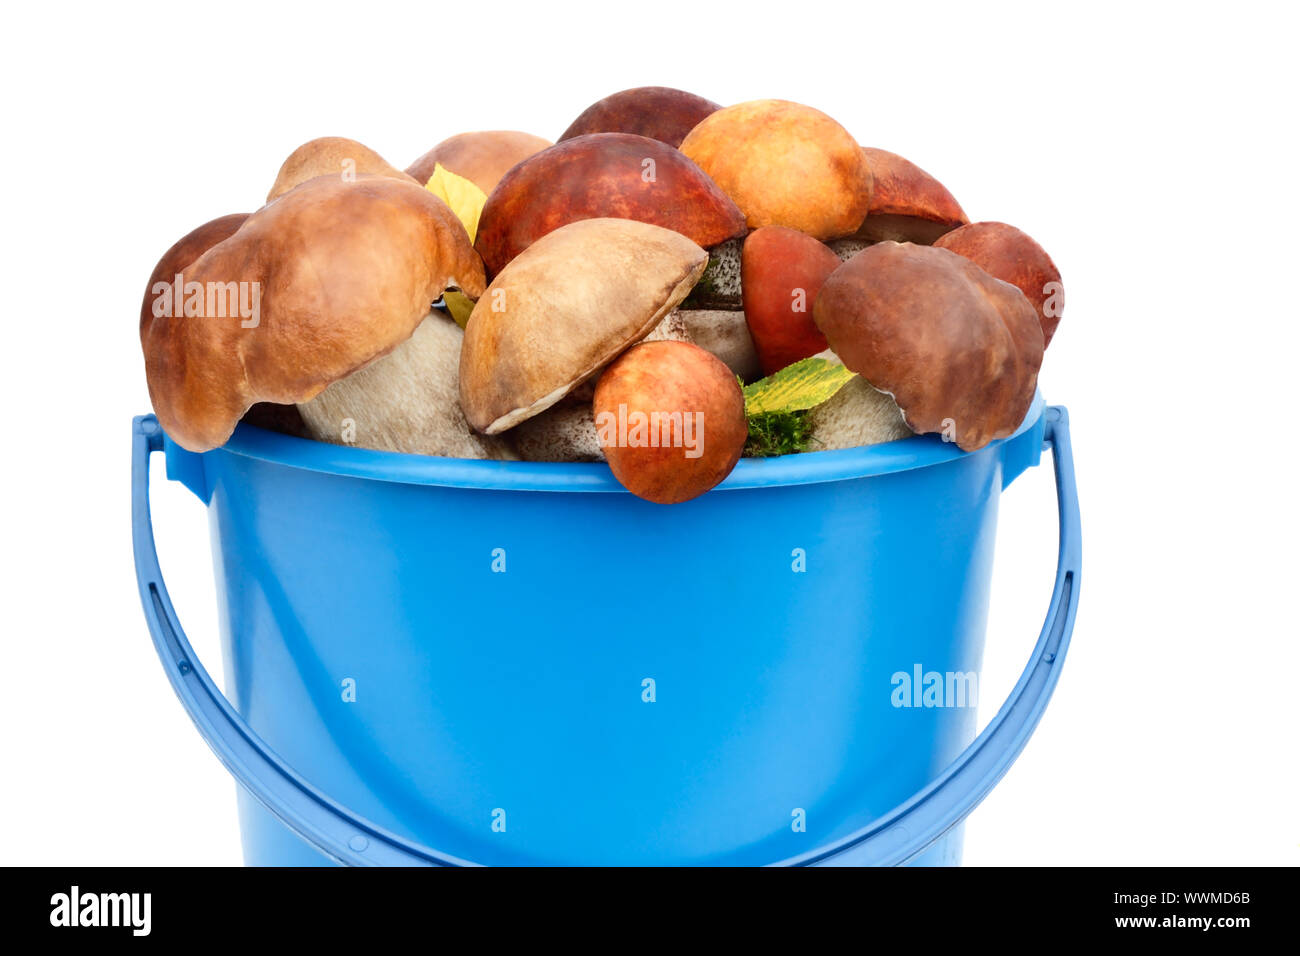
(798, 387)
(464, 197)
(459, 305)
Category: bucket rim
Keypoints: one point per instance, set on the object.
(804, 468)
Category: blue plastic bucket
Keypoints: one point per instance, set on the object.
(439, 661)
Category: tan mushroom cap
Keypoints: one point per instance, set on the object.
(563, 309)
(339, 273)
(481, 157)
(958, 350)
(785, 164)
(331, 156)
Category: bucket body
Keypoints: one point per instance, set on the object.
(517, 674)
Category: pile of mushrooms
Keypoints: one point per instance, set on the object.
(620, 286)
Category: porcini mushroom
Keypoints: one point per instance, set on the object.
(603, 175)
(907, 203)
(331, 156)
(671, 420)
(563, 309)
(268, 415)
(785, 164)
(1006, 253)
(481, 157)
(958, 350)
(337, 274)
(659, 112)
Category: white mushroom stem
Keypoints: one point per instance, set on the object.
(725, 333)
(855, 416)
(407, 401)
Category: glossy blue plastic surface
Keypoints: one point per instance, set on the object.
(500, 715)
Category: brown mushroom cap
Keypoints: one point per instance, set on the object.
(1006, 253)
(564, 309)
(958, 350)
(659, 112)
(183, 252)
(907, 203)
(481, 157)
(331, 156)
(603, 175)
(785, 165)
(342, 273)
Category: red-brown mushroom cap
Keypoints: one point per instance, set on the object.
(331, 156)
(658, 112)
(957, 349)
(603, 175)
(670, 419)
(785, 164)
(481, 157)
(333, 274)
(907, 203)
(1006, 253)
(782, 271)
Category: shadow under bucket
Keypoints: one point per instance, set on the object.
(522, 663)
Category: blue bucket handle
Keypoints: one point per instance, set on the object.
(348, 838)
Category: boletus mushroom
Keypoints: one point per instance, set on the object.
(1006, 253)
(289, 302)
(603, 175)
(331, 156)
(481, 157)
(670, 419)
(907, 203)
(658, 112)
(563, 309)
(782, 271)
(957, 349)
(785, 164)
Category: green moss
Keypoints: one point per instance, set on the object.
(778, 433)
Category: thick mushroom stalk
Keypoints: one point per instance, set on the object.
(407, 401)
(565, 308)
(958, 350)
(307, 290)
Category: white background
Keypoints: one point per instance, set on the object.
(1150, 149)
